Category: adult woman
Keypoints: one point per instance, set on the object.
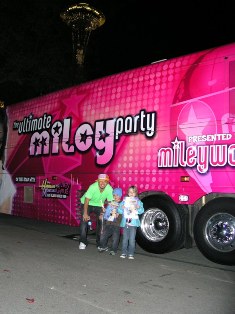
(7, 188)
(92, 202)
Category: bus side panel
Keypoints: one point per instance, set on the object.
(131, 126)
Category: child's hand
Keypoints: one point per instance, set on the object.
(101, 216)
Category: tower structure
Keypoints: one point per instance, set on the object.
(83, 19)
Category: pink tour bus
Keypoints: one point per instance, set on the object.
(168, 128)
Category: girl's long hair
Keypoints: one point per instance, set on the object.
(134, 188)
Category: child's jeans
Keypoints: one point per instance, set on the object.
(110, 230)
(128, 240)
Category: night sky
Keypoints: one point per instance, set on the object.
(36, 48)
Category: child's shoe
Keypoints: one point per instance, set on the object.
(100, 249)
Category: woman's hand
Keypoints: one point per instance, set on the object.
(86, 217)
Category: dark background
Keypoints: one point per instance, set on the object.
(36, 48)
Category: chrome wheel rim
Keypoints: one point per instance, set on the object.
(220, 232)
(154, 225)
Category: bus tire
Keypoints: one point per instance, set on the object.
(214, 231)
(161, 228)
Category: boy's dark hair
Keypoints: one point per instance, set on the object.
(3, 123)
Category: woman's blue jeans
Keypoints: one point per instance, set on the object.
(84, 225)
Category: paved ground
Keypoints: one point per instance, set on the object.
(42, 271)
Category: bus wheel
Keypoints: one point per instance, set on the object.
(214, 230)
(161, 228)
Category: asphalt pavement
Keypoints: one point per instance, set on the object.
(42, 271)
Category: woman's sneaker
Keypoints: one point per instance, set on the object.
(123, 256)
(82, 246)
